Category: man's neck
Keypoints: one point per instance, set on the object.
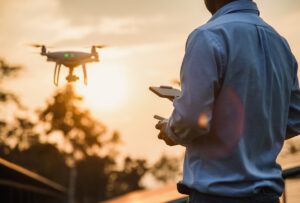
(219, 4)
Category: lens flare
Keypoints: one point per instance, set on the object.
(226, 127)
(203, 120)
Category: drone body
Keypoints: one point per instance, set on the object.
(71, 60)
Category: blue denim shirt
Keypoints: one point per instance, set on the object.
(240, 101)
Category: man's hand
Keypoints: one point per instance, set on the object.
(162, 126)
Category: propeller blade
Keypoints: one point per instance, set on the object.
(100, 46)
(36, 45)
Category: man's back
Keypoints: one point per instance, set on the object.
(240, 76)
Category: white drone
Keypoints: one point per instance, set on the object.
(71, 60)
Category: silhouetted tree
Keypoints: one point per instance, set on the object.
(97, 178)
(7, 72)
(167, 169)
(128, 178)
(92, 178)
(79, 128)
(82, 136)
(17, 132)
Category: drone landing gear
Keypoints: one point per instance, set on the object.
(71, 77)
(84, 74)
(56, 74)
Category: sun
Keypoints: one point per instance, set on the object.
(107, 88)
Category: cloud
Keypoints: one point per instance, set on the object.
(91, 11)
(131, 32)
(127, 25)
(77, 22)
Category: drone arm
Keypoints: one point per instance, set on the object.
(84, 74)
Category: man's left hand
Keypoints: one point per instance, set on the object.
(162, 126)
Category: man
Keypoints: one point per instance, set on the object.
(240, 101)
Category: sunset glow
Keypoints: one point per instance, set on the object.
(146, 46)
(107, 88)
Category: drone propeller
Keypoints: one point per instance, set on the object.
(43, 48)
(100, 46)
(36, 45)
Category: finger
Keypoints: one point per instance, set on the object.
(159, 125)
(160, 136)
(169, 143)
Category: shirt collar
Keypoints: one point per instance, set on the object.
(236, 6)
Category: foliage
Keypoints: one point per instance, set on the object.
(97, 178)
(92, 178)
(166, 169)
(13, 133)
(7, 71)
(18, 134)
(79, 129)
(128, 178)
(21, 129)
(19, 143)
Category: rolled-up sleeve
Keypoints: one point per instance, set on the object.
(293, 126)
(200, 76)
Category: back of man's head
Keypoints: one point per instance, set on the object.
(214, 5)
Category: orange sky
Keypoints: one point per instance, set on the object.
(147, 39)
